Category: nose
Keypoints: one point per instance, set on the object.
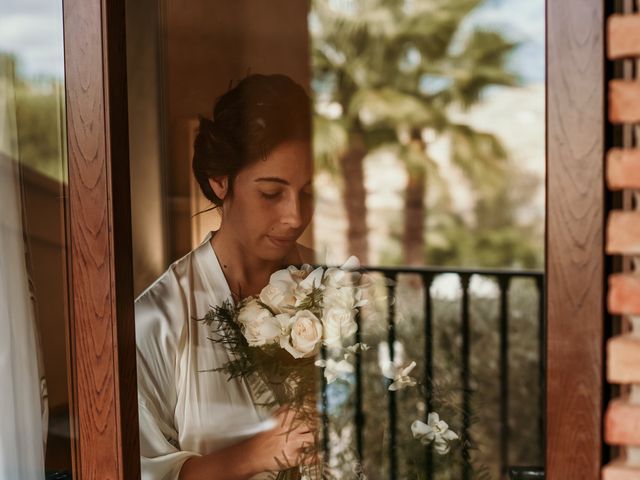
(292, 215)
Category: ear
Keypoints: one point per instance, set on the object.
(220, 186)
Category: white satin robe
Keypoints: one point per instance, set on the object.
(185, 410)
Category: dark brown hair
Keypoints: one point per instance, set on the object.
(249, 121)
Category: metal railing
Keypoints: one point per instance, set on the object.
(427, 276)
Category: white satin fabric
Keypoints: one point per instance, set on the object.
(185, 409)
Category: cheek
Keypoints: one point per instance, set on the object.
(249, 217)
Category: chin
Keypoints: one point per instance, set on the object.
(275, 253)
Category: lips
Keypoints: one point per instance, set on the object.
(281, 241)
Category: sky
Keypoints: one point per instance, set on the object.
(32, 29)
(522, 21)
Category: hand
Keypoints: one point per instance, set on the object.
(285, 444)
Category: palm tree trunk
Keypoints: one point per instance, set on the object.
(414, 220)
(414, 208)
(354, 197)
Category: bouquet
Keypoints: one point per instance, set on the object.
(274, 339)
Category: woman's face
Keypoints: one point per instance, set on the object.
(272, 201)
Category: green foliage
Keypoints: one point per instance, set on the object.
(40, 120)
(494, 238)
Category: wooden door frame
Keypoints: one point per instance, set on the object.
(102, 333)
(574, 238)
(102, 330)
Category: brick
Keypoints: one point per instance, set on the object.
(623, 296)
(619, 470)
(623, 232)
(622, 423)
(624, 101)
(623, 360)
(623, 168)
(623, 36)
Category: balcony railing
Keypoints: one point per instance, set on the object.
(427, 275)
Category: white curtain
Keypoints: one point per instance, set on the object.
(23, 411)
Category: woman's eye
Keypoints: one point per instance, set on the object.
(270, 196)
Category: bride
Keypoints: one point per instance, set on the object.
(253, 161)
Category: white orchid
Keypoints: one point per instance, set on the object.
(402, 379)
(309, 283)
(334, 370)
(436, 431)
(298, 274)
(355, 348)
(342, 276)
(395, 370)
(387, 367)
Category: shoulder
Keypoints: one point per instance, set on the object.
(168, 282)
(163, 305)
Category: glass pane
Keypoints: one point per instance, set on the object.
(425, 153)
(35, 436)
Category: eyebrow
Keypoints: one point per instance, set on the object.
(272, 179)
(277, 180)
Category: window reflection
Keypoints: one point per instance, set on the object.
(428, 146)
(33, 251)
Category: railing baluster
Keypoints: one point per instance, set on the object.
(359, 414)
(391, 338)
(427, 280)
(541, 360)
(325, 412)
(503, 283)
(466, 387)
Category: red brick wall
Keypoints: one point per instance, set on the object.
(622, 417)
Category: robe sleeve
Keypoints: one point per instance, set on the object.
(159, 315)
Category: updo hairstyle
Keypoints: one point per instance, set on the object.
(249, 121)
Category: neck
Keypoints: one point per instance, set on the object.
(245, 272)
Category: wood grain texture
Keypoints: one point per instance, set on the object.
(103, 334)
(574, 238)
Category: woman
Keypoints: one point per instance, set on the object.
(253, 162)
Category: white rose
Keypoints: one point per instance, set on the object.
(306, 335)
(283, 280)
(259, 326)
(278, 297)
(338, 324)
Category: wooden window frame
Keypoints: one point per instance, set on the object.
(574, 238)
(102, 343)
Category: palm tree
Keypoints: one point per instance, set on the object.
(393, 68)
